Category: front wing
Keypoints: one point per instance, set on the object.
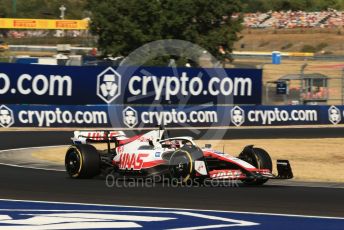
(283, 168)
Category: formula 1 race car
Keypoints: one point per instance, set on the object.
(153, 153)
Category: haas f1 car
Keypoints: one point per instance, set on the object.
(153, 154)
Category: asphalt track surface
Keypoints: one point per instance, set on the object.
(30, 184)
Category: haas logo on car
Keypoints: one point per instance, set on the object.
(132, 161)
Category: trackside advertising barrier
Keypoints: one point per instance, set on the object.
(43, 24)
(89, 85)
(123, 116)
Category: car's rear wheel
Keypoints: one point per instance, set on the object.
(260, 159)
(82, 161)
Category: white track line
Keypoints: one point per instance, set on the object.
(179, 209)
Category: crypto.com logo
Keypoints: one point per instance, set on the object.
(108, 85)
(6, 116)
(237, 116)
(130, 117)
(133, 65)
(334, 115)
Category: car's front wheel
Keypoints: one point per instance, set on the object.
(260, 159)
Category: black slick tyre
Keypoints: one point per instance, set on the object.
(82, 161)
(181, 166)
(260, 159)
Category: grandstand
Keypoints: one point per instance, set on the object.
(294, 19)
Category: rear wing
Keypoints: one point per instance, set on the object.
(96, 136)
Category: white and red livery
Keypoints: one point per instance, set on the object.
(153, 154)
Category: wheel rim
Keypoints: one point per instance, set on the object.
(73, 162)
(180, 167)
(251, 159)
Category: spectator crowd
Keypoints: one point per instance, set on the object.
(295, 19)
(273, 19)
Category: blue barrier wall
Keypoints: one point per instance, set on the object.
(63, 85)
(122, 116)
